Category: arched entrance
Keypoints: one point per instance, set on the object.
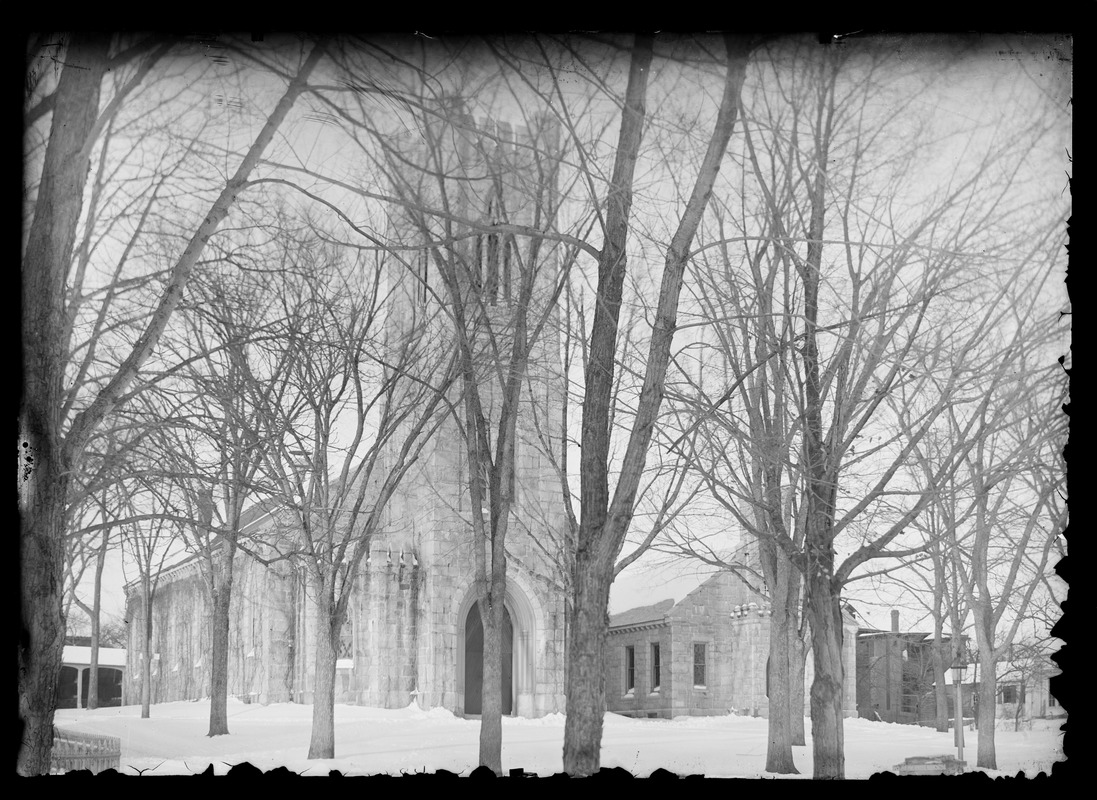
(520, 643)
(474, 662)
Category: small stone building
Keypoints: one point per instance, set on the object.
(704, 655)
(413, 631)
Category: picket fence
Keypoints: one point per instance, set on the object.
(74, 751)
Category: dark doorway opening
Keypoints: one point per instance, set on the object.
(474, 662)
(66, 690)
(110, 687)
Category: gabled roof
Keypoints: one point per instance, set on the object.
(259, 510)
(248, 517)
(658, 613)
(643, 615)
(729, 586)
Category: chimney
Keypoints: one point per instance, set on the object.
(894, 621)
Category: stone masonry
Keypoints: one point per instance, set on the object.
(404, 639)
(729, 621)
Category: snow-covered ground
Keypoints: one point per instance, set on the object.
(372, 741)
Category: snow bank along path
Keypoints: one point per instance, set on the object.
(370, 741)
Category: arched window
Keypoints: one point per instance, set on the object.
(491, 270)
(508, 251)
(477, 271)
(346, 637)
(422, 267)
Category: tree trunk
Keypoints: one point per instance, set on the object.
(146, 667)
(491, 694)
(322, 744)
(599, 540)
(219, 659)
(823, 608)
(778, 572)
(96, 607)
(604, 524)
(779, 685)
(93, 661)
(798, 654)
(826, 689)
(42, 642)
(988, 690)
(113, 394)
(940, 690)
(588, 626)
(43, 486)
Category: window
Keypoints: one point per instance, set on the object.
(346, 638)
(1051, 701)
(496, 216)
(421, 274)
(655, 667)
(630, 669)
(476, 273)
(491, 278)
(699, 665)
(1009, 694)
(508, 247)
(485, 487)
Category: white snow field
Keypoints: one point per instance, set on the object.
(370, 741)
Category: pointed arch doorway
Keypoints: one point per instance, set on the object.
(474, 662)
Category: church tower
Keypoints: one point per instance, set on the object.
(472, 194)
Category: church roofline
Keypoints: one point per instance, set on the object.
(251, 516)
(642, 615)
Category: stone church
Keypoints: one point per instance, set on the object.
(413, 632)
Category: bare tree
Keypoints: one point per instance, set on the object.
(365, 413)
(473, 254)
(604, 522)
(1015, 511)
(746, 456)
(237, 363)
(98, 551)
(928, 581)
(499, 295)
(50, 452)
(150, 543)
(840, 354)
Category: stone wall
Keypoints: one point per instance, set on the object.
(644, 700)
(179, 640)
(732, 621)
(385, 630)
(405, 624)
(261, 663)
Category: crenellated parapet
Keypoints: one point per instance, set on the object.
(752, 610)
